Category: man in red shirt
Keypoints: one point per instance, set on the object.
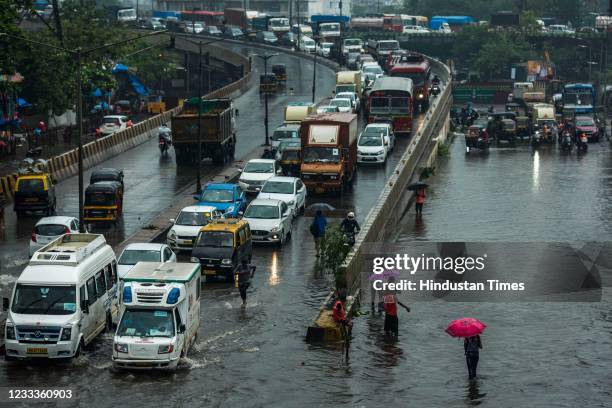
(391, 320)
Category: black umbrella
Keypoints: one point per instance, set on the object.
(417, 186)
(320, 207)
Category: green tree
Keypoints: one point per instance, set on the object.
(499, 53)
(469, 42)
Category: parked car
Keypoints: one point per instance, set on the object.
(411, 29)
(270, 221)
(328, 109)
(143, 252)
(193, 28)
(266, 37)
(353, 97)
(229, 199)
(114, 123)
(375, 143)
(324, 49)
(232, 32)
(255, 174)
(48, 229)
(291, 190)
(187, 225)
(343, 104)
(211, 30)
(307, 44)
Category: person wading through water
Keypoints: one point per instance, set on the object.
(243, 279)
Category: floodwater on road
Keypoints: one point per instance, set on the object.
(545, 354)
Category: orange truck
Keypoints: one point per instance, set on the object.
(329, 151)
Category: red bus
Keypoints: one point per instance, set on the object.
(391, 100)
(388, 22)
(209, 18)
(420, 73)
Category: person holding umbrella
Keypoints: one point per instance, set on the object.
(470, 329)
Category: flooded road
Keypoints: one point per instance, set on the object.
(254, 357)
(549, 354)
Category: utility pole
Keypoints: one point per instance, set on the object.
(265, 59)
(199, 149)
(299, 31)
(290, 14)
(314, 77)
(58, 23)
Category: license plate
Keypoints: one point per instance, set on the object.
(142, 364)
(188, 242)
(369, 158)
(319, 190)
(31, 200)
(37, 350)
(210, 272)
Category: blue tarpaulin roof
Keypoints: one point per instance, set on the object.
(22, 103)
(97, 93)
(138, 87)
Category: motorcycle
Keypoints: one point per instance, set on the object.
(536, 139)
(434, 90)
(582, 143)
(163, 145)
(165, 140)
(566, 142)
(349, 238)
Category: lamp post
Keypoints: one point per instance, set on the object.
(78, 54)
(265, 59)
(314, 76)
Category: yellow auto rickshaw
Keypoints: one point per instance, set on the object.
(290, 159)
(34, 188)
(280, 72)
(103, 202)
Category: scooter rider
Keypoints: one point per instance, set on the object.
(164, 132)
(435, 80)
(349, 225)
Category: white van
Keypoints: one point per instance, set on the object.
(63, 299)
(160, 316)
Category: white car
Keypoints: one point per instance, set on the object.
(270, 221)
(145, 252)
(327, 109)
(353, 97)
(560, 28)
(343, 104)
(255, 174)
(324, 49)
(307, 44)
(372, 70)
(411, 29)
(291, 190)
(194, 28)
(375, 143)
(48, 229)
(114, 123)
(186, 226)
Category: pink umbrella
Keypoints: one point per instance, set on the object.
(465, 327)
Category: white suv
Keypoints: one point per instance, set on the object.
(256, 173)
(375, 143)
(186, 227)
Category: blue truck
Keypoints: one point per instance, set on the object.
(454, 22)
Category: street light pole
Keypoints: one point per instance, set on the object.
(199, 149)
(79, 115)
(314, 77)
(265, 59)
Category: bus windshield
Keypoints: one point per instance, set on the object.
(418, 78)
(44, 300)
(578, 98)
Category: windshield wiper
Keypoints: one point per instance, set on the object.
(54, 302)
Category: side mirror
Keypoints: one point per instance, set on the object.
(172, 220)
(240, 213)
(5, 304)
(182, 328)
(84, 306)
(279, 171)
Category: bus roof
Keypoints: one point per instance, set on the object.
(392, 84)
(162, 272)
(422, 66)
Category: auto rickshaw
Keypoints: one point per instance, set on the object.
(476, 137)
(280, 71)
(523, 127)
(103, 202)
(267, 83)
(290, 160)
(107, 174)
(508, 131)
(34, 189)
(513, 107)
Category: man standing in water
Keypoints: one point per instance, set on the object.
(471, 346)
(390, 305)
(243, 279)
(420, 200)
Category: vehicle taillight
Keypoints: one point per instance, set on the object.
(33, 236)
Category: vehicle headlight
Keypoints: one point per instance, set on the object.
(226, 261)
(420, 96)
(194, 259)
(172, 234)
(66, 334)
(165, 349)
(10, 332)
(274, 229)
(333, 177)
(380, 151)
(121, 348)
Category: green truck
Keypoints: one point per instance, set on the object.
(218, 136)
